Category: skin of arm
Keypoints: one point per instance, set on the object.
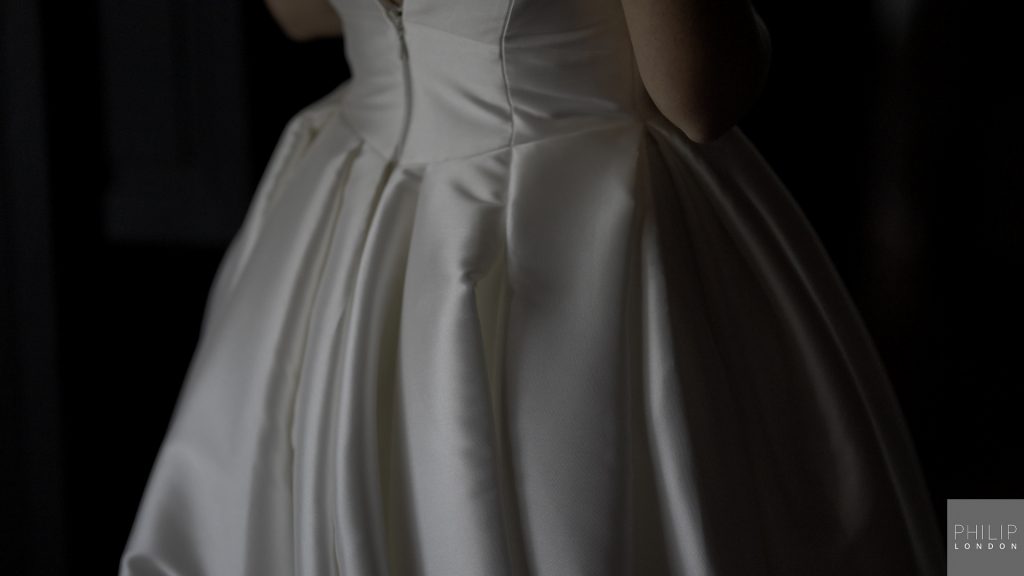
(703, 62)
(303, 20)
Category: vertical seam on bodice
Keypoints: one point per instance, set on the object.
(513, 541)
(504, 73)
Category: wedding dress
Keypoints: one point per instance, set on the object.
(491, 314)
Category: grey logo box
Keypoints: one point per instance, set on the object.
(984, 537)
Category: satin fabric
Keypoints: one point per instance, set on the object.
(491, 314)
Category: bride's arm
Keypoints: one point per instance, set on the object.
(703, 62)
(305, 19)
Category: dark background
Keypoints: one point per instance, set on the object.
(135, 133)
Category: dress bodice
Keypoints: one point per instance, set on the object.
(491, 73)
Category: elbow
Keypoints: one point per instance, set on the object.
(702, 124)
(704, 128)
(297, 34)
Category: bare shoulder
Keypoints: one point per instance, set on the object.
(304, 20)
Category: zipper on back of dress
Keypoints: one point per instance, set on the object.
(394, 13)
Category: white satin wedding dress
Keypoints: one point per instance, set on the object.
(491, 314)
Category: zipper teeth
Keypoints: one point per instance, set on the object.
(394, 12)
